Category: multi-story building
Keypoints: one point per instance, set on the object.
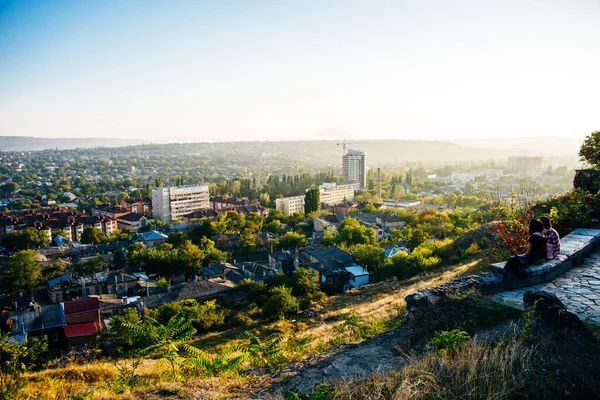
(354, 167)
(335, 193)
(56, 220)
(525, 164)
(174, 202)
(290, 205)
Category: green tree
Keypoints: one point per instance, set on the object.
(281, 303)
(27, 238)
(177, 239)
(418, 236)
(291, 240)
(312, 200)
(351, 232)
(368, 255)
(92, 235)
(165, 340)
(22, 273)
(590, 150)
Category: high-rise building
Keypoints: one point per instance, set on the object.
(354, 167)
(174, 202)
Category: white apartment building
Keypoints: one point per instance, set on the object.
(332, 193)
(172, 203)
(354, 167)
(290, 205)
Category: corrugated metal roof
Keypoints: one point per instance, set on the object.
(77, 306)
(86, 329)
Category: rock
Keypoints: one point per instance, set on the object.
(542, 298)
(550, 316)
(485, 283)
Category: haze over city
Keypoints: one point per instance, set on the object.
(219, 71)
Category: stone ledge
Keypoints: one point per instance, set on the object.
(573, 248)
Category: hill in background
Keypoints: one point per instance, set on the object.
(29, 143)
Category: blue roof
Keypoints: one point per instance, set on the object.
(393, 251)
(59, 279)
(141, 275)
(60, 241)
(154, 235)
(357, 270)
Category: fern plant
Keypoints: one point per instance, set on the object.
(449, 341)
(165, 339)
(202, 363)
(267, 352)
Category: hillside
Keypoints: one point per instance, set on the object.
(318, 152)
(28, 143)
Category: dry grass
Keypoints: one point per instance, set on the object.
(375, 302)
(379, 301)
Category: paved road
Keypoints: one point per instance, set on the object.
(578, 289)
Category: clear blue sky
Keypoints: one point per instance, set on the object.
(262, 70)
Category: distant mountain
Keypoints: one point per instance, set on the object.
(539, 145)
(28, 143)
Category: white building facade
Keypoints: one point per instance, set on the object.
(332, 193)
(354, 167)
(174, 202)
(290, 205)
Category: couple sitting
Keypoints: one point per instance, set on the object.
(543, 243)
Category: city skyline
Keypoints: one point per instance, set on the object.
(224, 71)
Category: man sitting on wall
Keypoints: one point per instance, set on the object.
(552, 237)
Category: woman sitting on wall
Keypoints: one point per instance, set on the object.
(536, 251)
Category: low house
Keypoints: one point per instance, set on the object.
(226, 241)
(133, 221)
(283, 261)
(390, 221)
(83, 321)
(333, 266)
(152, 238)
(65, 287)
(223, 271)
(37, 322)
(205, 290)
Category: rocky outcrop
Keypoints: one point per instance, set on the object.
(487, 283)
(549, 316)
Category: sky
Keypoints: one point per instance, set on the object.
(192, 70)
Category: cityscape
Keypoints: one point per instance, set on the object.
(287, 200)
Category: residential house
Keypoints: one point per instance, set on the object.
(133, 221)
(333, 266)
(151, 238)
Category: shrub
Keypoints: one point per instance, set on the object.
(452, 341)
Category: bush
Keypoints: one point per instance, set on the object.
(280, 303)
(452, 341)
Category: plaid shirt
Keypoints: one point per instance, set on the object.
(553, 242)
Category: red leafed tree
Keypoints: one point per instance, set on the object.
(513, 237)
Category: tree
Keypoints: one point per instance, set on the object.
(418, 236)
(165, 339)
(351, 232)
(312, 200)
(92, 235)
(281, 302)
(27, 238)
(291, 240)
(22, 273)
(368, 255)
(177, 239)
(8, 189)
(590, 150)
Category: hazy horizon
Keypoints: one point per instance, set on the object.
(177, 71)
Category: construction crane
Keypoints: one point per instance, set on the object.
(344, 144)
